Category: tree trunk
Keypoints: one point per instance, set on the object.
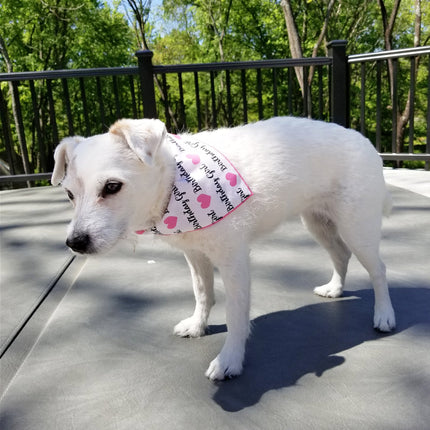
(388, 24)
(13, 90)
(296, 48)
(293, 39)
(315, 51)
(141, 9)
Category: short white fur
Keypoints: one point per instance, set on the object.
(329, 175)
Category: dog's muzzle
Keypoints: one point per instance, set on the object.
(80, 243)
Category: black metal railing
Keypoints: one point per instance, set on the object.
(42, 107)
(223, 94)
(40, 103)
(386, 68)
(226, 72)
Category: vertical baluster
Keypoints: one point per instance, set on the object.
(244, 99)
(290, 91)
(320, 93)
(229, 104)
(412, 106)
(116, 96)
(427, 165)
(7, 133)
(214, 120)
(68, 106)
(84, 106)
(197, 91)
(166, 103)
(259, 94)
(275, 91)
(101, 104)
(362, 98)
(20, 130)
(52, 114)
(394, 107)
(182, 119)
(378, 106)
(40, 146)
(133, 95)
(305, 93)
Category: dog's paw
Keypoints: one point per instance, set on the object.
(384, 319)
(329, 290)
(220, 369)
(190, 327)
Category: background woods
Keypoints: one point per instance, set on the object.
(74, 34)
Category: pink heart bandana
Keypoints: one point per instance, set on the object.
(207, 188)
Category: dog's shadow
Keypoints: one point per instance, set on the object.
(284, 346)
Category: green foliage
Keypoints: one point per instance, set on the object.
(60, 34)
(221, 30)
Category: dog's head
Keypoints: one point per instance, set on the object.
(118, 182)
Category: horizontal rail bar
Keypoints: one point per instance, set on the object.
(385, 55)
(175, 68)
(207, 67)
(72, 73)
(390, 156)
(24, 178)
(405, 157)
(243, 65)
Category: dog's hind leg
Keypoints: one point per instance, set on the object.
(234, 270)
(362, 234)
(325, 232)
(203, 280)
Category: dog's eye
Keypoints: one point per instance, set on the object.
(70, 195)
(111, 188)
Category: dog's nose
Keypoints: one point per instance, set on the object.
(79, 243)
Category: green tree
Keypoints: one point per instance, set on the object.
(210, 31)
(225, 30)
(140, 10)
(55, 34)
(59, 34)
(403, 26)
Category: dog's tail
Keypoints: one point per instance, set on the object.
(388, 204)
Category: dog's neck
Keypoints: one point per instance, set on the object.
(205, 187)
(166, 162)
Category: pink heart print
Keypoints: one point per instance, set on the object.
(171, 222)
(204, 200)
(232, 178)
(194, 158)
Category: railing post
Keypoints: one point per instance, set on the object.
(144, 59)
(339, 82)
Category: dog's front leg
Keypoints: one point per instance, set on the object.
(203, 280)
(234, 271)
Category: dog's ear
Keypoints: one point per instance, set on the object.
(62, 157)
(143, 136)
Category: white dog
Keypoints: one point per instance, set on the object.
(138, 179)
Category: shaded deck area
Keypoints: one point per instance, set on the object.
(88, 344)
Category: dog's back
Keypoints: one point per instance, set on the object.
(294, 164)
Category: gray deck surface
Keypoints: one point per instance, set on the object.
(98, 351)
